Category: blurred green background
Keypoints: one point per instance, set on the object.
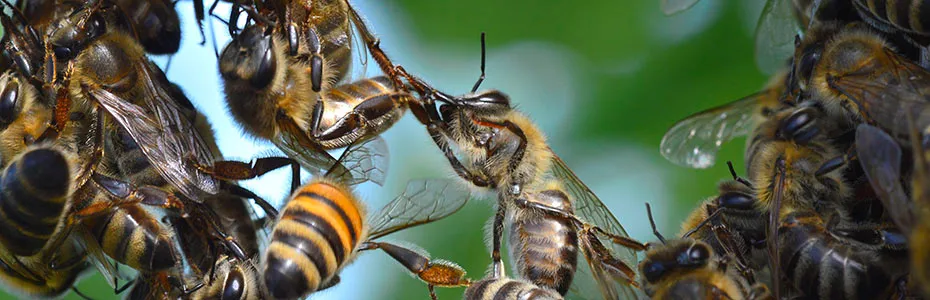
(604, 79)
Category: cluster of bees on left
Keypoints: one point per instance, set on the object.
(108, 166)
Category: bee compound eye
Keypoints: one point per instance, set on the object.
(653, 271)
(265, 67)
(736, 200)
(234, 287)
(8, 101)
(698, 254)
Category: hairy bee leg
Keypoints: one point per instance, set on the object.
(128, 193)
(357, 118)
(232, 246)
(441, 137)
(316, 60)
(242, 192)
(497, 236)
(434, 274)
(90, 167)
(835, 163)
(616, 267)
(237, 170)
(621, 240)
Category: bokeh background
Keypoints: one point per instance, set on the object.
(604, 79)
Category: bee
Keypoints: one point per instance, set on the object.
(504, 151)
(235, 279)
(695, 140)
(322, 227)
(508, 288)
(733, 209)
(134, 93)
(689, 268)
(545, 239)
(267, 95)
(918, 230)
(853, 72)
(38, 276)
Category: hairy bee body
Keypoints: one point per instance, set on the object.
(135, 237)
(690, 269)
(821, 266)
(909, 16)
(735, 205)
(156, 23)
(506, 288)
(33, 275)
(316, 234)
(235, 279)
(35, 188)
(332, 28)
(545, 247)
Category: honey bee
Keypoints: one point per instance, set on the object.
(853, 72)
(508, 288)
(918, 230)
(688, 268)
(503, 150)
(235, 279)
(695, 140)
(107, 70)
(35, 276)
(545, 238)
(323, 227)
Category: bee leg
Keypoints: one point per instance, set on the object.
(835, 163)
(800, 126)
(128, 193)
(242, 192)
(595, 250)
(441, 137)
(90, 166)
(316, 60)
(444, 274)
(496, 237)
(516, 180)
(237, 170)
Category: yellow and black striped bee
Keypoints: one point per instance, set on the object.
(508, 288)
(323, 226)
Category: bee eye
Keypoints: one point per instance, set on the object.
(8, 103)
(265, 71)
(494, 97)
(736, 200)
(698, 255)
(800, 126)
(653, 271)
(97, 26)
(234, 287)
(807, 64)
(62, 52)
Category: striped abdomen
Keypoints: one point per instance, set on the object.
(545, 250)
(506, 288)
(911, 16)
(374, 100)
(316, 234)
(331, 20)
(822, 267)
(33, 192)
(134, 237)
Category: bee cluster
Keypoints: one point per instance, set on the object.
(109, 167)
(834, 202)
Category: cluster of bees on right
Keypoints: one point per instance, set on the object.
(834, 203)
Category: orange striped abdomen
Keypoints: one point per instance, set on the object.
(317, 232)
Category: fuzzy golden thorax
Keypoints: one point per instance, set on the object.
(31, 118)
(787, 170)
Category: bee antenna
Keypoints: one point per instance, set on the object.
(735, 176)
(696, 228)
(481, 78)
(653, 223)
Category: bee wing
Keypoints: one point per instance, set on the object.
(165, 135)
(880, 157)
(671, 7)
(298, 146)
(364, 161)
(775, 33)
(589, 208)
(898, 89)
(695, 140)
(423, 201)
(108, 269)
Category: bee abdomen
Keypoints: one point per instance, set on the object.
(317, 233)
(545, 251)
(907, 15)
(34, 191)
(822, 267)
(133, 237)
(495, 288)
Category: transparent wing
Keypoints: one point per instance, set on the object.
(695, 141)
(365, 161)
(892, 88)
(165, 135)
(589, 208)
(880, 157)
(295, 143)
(775, 33)
(671, 7)
(108, 269)
(423, 201)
